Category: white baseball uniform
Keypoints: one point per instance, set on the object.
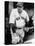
(14, 14)
(19, 19)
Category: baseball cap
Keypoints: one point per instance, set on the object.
(19, 4)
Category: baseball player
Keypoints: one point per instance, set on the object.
(18, 17)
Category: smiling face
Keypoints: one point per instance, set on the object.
(20, 9)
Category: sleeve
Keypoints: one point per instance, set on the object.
(12, 18)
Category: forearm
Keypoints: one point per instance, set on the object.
(13, 27)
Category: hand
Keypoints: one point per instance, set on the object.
(26, 29)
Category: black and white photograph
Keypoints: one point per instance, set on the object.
(19, 22)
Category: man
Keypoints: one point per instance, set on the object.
(18, 17)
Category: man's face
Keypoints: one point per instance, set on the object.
(20, 9)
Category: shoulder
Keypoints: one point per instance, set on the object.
(25, 12)
(14, 10)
